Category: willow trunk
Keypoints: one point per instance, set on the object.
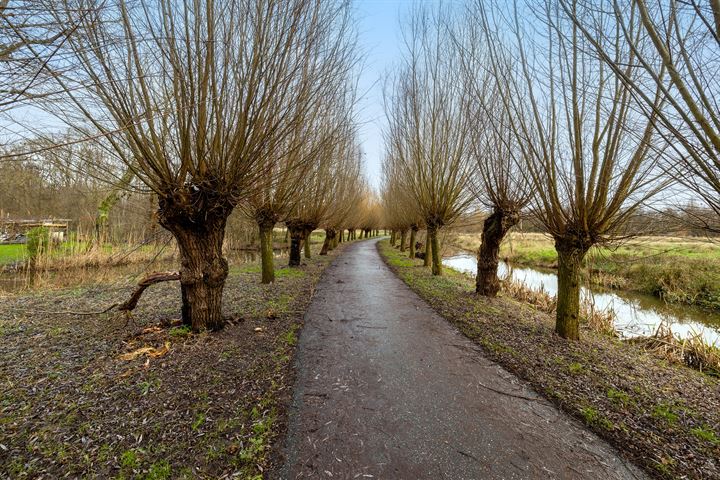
(203, 271)
(328, 243)
(306, 242)
(495, 228)
(567, 320)
(266, 252)
(403, 238)
(413, 232)
(436, 261)
(428, 250)
(296, 235)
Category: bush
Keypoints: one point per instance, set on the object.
(38, 240)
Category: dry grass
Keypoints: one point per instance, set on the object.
(692, 351)
(601, 321)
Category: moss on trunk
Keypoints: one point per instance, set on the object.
(570, 257)
(266, 251)
(436, 260)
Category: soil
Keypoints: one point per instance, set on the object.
(386, 388)
(100, 396)
(663, 416)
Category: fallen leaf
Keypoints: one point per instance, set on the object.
(149, 351)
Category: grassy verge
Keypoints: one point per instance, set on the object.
(678, 270)
(664, 417)
(94, 396)
(11, 253)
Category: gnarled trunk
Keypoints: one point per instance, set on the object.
(495, 228)
(413, 233)
(403, 237)
(570, 256)
(328, 243)
(203, 269)
(433, 240)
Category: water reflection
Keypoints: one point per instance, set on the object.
(635, 314)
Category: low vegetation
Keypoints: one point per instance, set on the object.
(662, 415)
(99, 396)
(676, 269)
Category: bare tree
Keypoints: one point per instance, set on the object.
(427, 142)
(29, 39)
(347, 192)
(194, 97)
(679, 53)
(498, 183)
(589, 150)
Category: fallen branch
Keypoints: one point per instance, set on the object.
(151, 279)
(508, 394)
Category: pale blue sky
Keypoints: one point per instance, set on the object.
(380, 42)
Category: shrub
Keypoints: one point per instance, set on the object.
(38, 240)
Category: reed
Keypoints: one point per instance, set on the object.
(692, 351)
(597, 320)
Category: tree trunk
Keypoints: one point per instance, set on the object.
(436, 263)
(570, 257)
(306, 239)
(428, 250)
(392, 238)
(403, 237)
(413, 232)
(266, 251)
(203, 270)
(296, 234)
(329, 239)
(495, 228)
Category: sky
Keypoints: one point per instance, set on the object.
(380, 42)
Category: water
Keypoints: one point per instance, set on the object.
(635, 314)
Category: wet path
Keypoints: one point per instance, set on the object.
(388, 389)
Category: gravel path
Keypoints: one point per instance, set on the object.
(388, 389)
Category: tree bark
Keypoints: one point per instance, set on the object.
(403, 237)
(328, 243)
(570, 257)
(296, 234)
(266, 251)
(428, 250)
(436, 261)
(203, 268)
(495, 228)
(413, 232)
(306, 241)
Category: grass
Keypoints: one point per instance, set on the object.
(680, 270)
(11, 253)
(660, 414)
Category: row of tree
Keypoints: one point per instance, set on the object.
(210, 106)
(577, 113)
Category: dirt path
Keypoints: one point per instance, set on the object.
(388, 389)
